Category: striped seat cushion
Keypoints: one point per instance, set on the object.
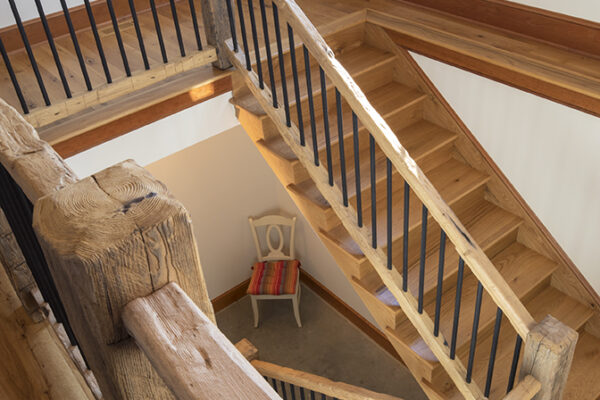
(274, 277)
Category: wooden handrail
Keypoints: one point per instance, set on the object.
(194, 358)
(466, 246)
(525, 390)
(316, 383)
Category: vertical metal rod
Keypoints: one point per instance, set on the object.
(283, 390)
(274, 383)
(13, 78)
(256, 47)
(244, 36)
(423, 256)
(326, 125)
(115, 24)
(373, 192)
(263, 14)
(34, 64)
(312, 395)
(59, 67)
(340, 124)
(323, 397)
(389, 213)
(90, 14)
(293, 391)
(296, 84)
(440, 282)
(161, 42)
(232, 26)
(82, 66)
(357, 169)
(311, 106)
(177, 27)
(286, 102)
(197, 28)
(405, 237)
(138, 33)
(514, 364)
(474, 332)
(490, 371)
(459, 283)
(301, 393)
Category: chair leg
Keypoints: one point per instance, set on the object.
(255, 310)
(296, 304)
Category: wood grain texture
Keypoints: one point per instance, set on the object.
(317, 383)
(247, 349)
(548, 354)
(190, 353)
(216, 26)
(525, 389)
(109, 239)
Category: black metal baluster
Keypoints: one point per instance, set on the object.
(34, 64)
(474, 332)
(296, 84)
(311, 105)
(340, 124)
(263, 14)
(302, 393)
(373, 192)
(232, 26)
(244, 36)
(195, 24)
(405, 237)
(159, 35)
(115, 24)
(357, 169)
(84, 72)
(490, 372)
(283, 390)
(286, 102)
(389, 213)
(177, 27)
(514, 364)
(326, 125)
(138, 33)
(13, 78)
(274, 383)
(312, 395)
(59, 67)
(256, 48)
(459, 283)
(323, 397)
(423, 256)
(92, 20)
(440, 282)
(293, 391)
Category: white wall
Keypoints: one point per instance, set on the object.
(27, 9)
(586, 9)
(549, 152)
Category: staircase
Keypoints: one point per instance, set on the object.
(452, 161)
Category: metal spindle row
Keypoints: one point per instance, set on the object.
(324, 143)
(285, 388)
(114, 19)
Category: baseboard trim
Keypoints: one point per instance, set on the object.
(231, 296)
(349, 313)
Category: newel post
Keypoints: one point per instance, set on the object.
(216, 26)
(109, 239)
(548, 354)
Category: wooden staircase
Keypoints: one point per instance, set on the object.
(449, 156)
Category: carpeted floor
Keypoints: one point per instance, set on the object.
(326, 345)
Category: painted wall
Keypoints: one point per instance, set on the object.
(586, 9)
(549, 152)
(27, 9)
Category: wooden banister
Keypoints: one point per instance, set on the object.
(188, 351)
(525, 390)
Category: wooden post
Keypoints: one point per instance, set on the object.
(194, 358)
(548, 354)
(216, 26)
(110, 239)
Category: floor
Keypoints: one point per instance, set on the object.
(327, 345)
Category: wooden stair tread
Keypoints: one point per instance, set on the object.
(584, 377)
(549, 301)
(453, 179)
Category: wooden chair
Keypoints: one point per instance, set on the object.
(276, 275)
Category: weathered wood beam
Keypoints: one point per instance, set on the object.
(192, 356)
(110, 239)
(525, 389)
(216, 27)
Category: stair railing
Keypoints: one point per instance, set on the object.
(273, 96)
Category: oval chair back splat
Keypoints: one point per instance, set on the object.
(276, 275)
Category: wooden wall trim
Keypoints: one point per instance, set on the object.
(559, 29)
(229, 297)
(58, 26)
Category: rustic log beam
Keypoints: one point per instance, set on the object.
(110, 239)
(216, 26)
(194, 358)
(548, 355)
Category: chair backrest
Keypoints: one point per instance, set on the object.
(273, 222)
